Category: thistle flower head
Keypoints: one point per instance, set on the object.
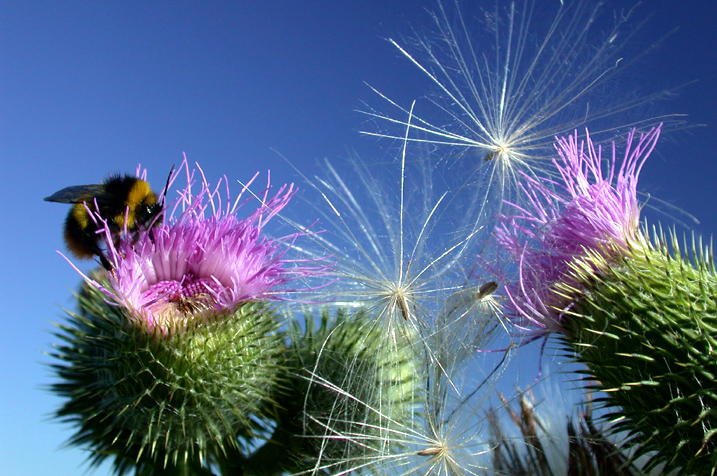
(203, 260)
(175, 357)
(590, 214)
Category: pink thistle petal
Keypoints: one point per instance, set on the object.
(589, 213)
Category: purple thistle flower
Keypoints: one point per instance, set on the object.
(202, 261)
(590, 214)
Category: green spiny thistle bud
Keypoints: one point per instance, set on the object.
(647, 330)
(350, 390)
(165, 401)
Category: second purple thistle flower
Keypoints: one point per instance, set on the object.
(591, 212)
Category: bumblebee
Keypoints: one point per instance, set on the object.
(126, 202)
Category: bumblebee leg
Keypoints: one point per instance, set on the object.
(105, 262)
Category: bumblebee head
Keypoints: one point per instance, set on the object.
(143, 205)
(149, 207)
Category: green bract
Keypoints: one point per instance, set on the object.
(165, 400)
(647, 329)
(352, 391)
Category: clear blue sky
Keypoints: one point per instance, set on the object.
(88, 88)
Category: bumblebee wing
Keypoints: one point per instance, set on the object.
(76, 194)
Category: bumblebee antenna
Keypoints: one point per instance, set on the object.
(163, 195)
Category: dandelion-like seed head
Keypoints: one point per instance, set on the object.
(584, 220)
(444, 436)
(392, 257)
(202, 261)
(507, 84)
(441, 436)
